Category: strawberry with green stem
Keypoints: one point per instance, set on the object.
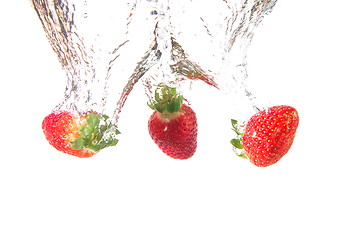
(173, 124)
(267, 136)
(81, 135)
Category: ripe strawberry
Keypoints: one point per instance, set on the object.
(268, 135)
(80, 135)
(173, 125)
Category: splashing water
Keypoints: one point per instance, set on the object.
(198, 40)
(85, 48)
(240, 30)
(185, 41)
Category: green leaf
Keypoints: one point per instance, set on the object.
(235, 127)
(93, 120)
(94, 148)
(105, 117)
(242, 155)
(93, 133)
(234, 123)
(151, 105)
(172, 91)
(157, 96)
(114, 142)
(237, 132)
(166, 100)
(85, 132)
(237, 143)
(175, 105)
(160, 108)
(78, 144)
(103, 128)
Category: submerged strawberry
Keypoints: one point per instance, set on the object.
(268, 135)
(173, 125)
(80, 135)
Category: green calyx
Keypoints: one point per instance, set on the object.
(166, 100)
(237, 142)
(97, 133)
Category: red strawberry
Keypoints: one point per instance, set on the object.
(78, 135)
(268, 135)
(173, 125)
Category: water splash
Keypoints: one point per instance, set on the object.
(186, 41)
(190, 43)
(85, 48)
(240, 29)
(165, 62)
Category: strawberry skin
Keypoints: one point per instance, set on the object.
(60, 129)
(78, 135)
(175, 133)
(268, 135)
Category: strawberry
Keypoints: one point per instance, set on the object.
(173, 125)
(267, 136)
(81, 135)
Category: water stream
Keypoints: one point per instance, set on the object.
(185, 41)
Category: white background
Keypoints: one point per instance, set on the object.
(306, 54)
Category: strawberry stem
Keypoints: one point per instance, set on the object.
(96, 134)
(237, 142)
(167, 100)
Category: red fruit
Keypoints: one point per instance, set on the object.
(173, 126)
(268, 135)
(78, 135)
